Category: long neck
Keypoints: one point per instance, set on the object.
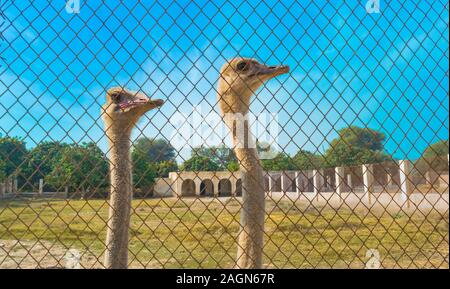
(250, 243)
(120, 165)
(244, 143)
(230, 104)
(116, 254)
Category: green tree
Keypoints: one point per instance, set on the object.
(200, 163)
(233, 166)
(439, 148)
(144, 174)
(305, 160)
(356, 146)
(152, 158)
(220, 155)
(164, 168)
(12, 153)
(41, 159)
(434, 157)
(153, 150)
(80, 167)
(281, 162)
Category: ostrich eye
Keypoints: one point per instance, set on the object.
(116, 97)
(242, 66)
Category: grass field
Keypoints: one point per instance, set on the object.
(201, 233)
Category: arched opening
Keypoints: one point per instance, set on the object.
(239, 188)
(207, 188)
(310, 185)
(188, 188)
(276, 184)
(289, 182)
(224, 188)
(293, 187)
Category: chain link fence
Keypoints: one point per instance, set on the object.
(343, 109)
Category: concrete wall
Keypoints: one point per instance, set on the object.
(338, 180)
(163, 187)
(186, 178)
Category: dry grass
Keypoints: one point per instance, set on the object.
(193, 233)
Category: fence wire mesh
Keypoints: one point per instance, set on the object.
(351, 134)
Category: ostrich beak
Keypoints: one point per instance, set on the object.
(269, 72)
(149, 104)
(142, 101)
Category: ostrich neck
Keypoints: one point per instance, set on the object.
(120, 160)
(116, 254)
(120, 166)
(244, 145)
(253, 212)
(235, 114)
(231, 104)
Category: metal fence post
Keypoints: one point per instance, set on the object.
(318, 182)
(339, 178)
(349, 182)
(297, 183)
(270, 184)
(41, 187)
(405, 181)
(368, 179)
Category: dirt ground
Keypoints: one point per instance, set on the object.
(302, 231)
(16, 254)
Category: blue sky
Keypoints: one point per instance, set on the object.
(387, 71)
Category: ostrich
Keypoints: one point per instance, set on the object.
(239, 79)
(121, 112)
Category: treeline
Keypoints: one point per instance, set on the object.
(353, 146)
(84, 168)
(80, 168)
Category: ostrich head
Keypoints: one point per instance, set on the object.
(123, 108)
(240, 78)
